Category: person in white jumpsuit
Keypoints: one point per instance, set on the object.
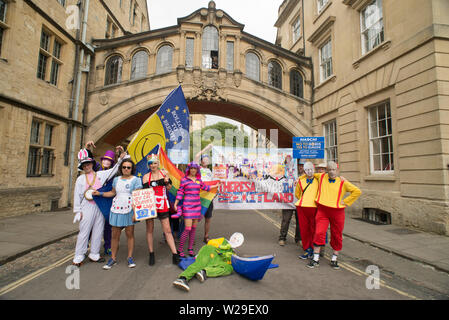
(86, 211)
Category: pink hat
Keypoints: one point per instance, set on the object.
(83, 157)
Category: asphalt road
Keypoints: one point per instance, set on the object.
(46, 273)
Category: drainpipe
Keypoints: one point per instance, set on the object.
(303, 34)
(77, 99)
(86, 96)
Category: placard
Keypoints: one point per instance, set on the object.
(144, 203)
(308, 147)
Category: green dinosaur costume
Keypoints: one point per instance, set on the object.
(214, 258)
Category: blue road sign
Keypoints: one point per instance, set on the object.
(308, 147)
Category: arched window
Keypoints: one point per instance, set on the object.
(164, 59)
(139, 66)
(210, 48)
(274, 74)
(252, 66)
(296, 84)
(113, 70)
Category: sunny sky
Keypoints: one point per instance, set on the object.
(258, 16)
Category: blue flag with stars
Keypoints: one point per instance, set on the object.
(142, 166)
(168, 127)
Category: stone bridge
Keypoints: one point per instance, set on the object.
(223, 71)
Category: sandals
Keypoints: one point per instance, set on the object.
(191, 253)
(206, 240)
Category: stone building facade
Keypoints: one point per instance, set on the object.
(44, 67)
(369, 75)
(381, 99)
(250, 80)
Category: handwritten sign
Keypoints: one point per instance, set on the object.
(220, 172)
(144, 204)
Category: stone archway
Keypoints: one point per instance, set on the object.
(121, 120)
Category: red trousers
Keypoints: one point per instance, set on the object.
(336, 218)
(306, 221)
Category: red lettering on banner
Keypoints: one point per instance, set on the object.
(253, 187)
(266, 199)
(275, 197)
(238, 187)
(226, 186)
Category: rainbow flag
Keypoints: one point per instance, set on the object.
(176, 175)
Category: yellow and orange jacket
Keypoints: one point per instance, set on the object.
(331, 194)
(306, 199)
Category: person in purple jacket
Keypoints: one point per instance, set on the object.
(189, 193)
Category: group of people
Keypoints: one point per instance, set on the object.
(321, 203)
(94, 225)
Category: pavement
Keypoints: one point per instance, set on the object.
(22, 234)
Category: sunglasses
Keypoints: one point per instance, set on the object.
(126, 167)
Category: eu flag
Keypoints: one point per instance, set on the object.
(142, 166)
(168, 127)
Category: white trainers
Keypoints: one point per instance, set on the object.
(181, 284)
(131, 263)
(110, 263)
(201, 276)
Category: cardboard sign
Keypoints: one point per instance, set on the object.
(220, 172)
(144, 204)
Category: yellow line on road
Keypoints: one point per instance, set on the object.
(34, 275)
(342, 264)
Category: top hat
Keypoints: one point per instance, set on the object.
(109, 155)
(84, 157)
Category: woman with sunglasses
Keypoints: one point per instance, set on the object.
(122, 214)
(160, 182)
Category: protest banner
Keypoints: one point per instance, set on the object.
(144, 203)
(258, 178)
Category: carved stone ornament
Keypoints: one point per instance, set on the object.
(211, 14)
(237, 78)
(104, 98)
(208, 86)
(180, 71)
